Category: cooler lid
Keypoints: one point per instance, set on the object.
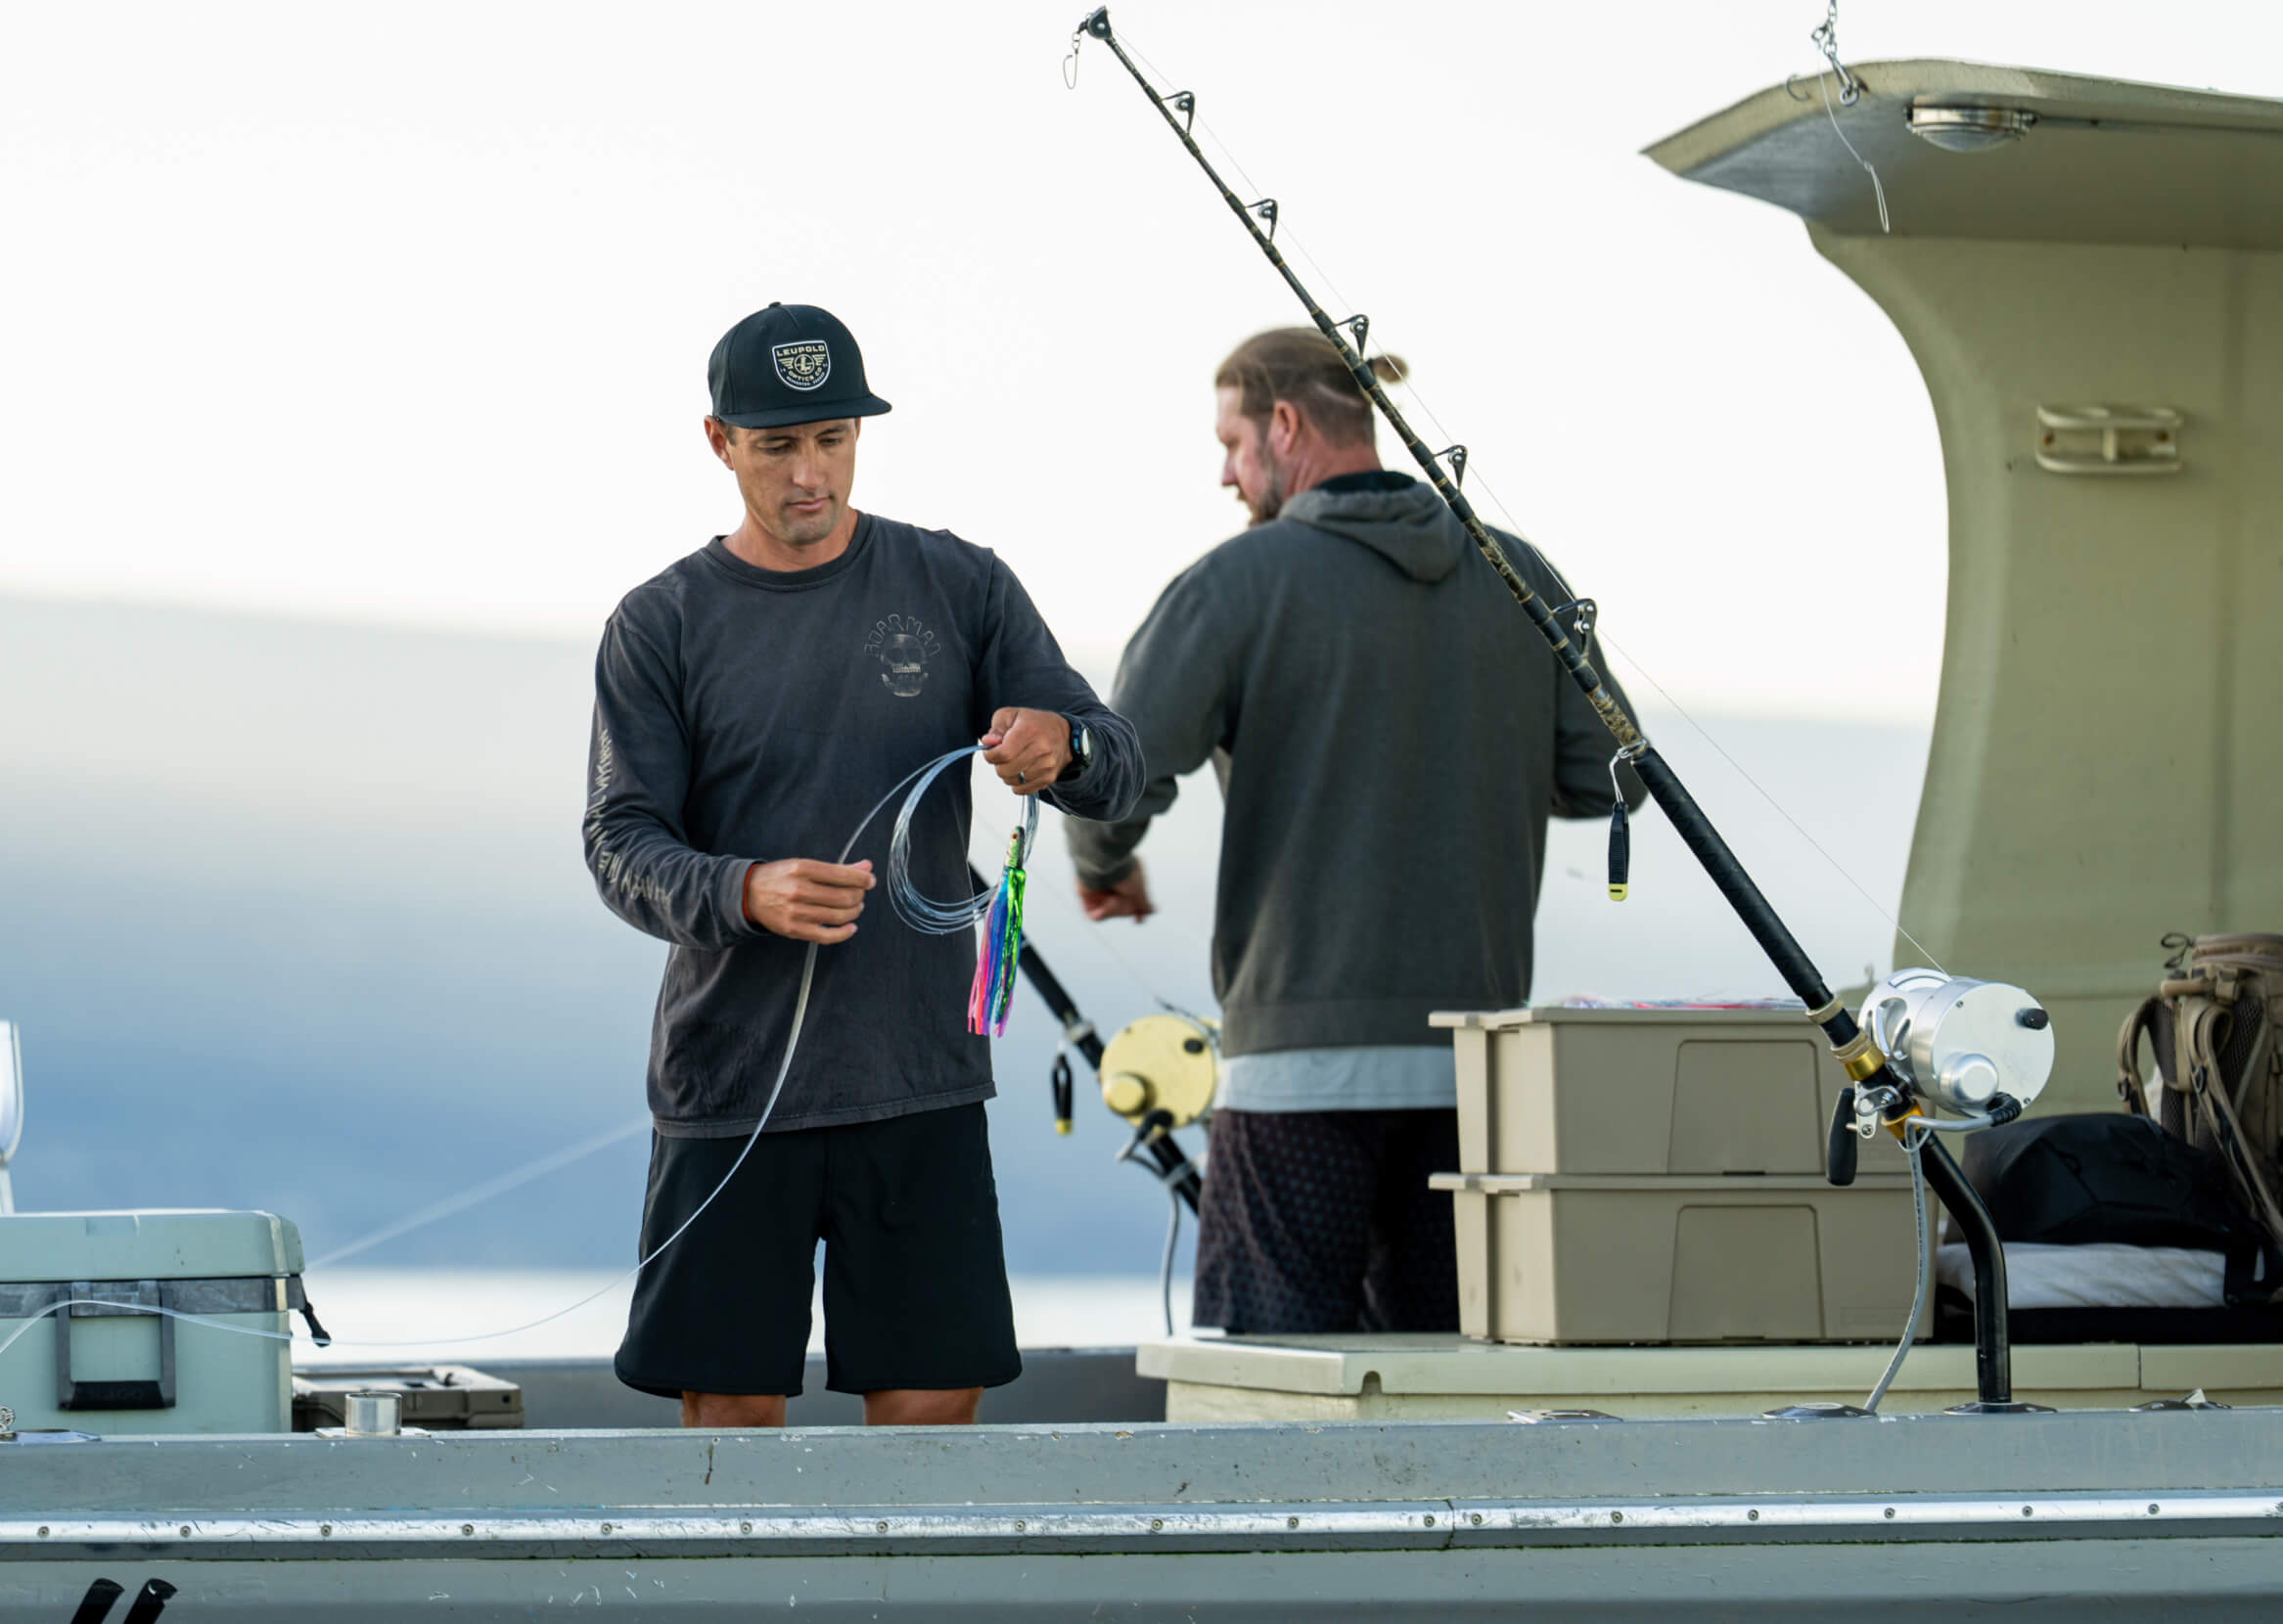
(161, 1245)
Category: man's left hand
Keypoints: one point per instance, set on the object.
(1028, 748)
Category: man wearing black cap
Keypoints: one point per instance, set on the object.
(751, 703)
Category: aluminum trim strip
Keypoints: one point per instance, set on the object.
(1306, 1523)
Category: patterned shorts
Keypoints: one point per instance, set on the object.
(1322, 1222)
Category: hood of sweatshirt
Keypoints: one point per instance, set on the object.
(1408, 525)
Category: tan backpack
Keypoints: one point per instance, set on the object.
(2214, 1027)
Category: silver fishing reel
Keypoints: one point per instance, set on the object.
(1961, 1043)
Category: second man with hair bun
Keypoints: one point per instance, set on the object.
(1390, 740)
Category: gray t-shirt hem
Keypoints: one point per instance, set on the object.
(1364, 1078)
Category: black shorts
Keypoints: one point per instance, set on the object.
(1322, 1222)
(915, 1277)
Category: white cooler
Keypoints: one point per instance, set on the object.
(126, 1369)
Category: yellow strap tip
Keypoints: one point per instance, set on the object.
(1616, 893)
(1062, 1124)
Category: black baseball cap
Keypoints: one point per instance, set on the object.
(791, 363)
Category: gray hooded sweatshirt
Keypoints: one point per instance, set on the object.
(1390, 734)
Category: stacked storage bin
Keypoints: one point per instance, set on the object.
(1653, 1176)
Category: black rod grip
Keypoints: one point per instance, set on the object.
(1061, 1093)
(1697, 833)
(1177, 1167)
(1839, 1152)
(1620, 853)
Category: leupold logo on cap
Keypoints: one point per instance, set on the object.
(803, 365)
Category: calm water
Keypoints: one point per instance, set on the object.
(401, 1316)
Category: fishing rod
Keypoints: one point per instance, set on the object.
(1879, 1085)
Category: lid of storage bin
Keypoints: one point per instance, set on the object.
(1515, 1184)
(186, 1245)
(1787, 1015)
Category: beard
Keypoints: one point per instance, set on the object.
(1270, 502)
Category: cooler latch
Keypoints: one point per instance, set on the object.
(129, 1299)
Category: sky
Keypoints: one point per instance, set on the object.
(401, 313)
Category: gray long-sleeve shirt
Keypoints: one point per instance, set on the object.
(1391, 736)
(744, 715)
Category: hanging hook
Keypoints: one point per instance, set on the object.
(1620, 834)
(1070, 63)
(1826, 40)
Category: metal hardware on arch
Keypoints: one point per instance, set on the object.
(2109, 439)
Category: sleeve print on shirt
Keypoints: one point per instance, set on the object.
(611, 866)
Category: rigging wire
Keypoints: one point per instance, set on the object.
(1379, 350)
(514, 1178)
(1877, 187)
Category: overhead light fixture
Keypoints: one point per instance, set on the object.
(1970, 129)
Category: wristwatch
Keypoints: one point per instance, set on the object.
(1081, 748)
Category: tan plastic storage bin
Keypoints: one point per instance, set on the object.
(1559, 1258)
(1642, 1091)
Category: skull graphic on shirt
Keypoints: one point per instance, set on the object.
(902, 645)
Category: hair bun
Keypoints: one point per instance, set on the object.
(1390, 369)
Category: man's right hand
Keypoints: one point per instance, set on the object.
(1128, 899)
(806, 900)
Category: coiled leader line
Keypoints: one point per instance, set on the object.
(1861, 1058)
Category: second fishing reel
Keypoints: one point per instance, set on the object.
(1169, 1064)
(1160, 1073)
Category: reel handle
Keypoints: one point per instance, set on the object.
(1839, 1150)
